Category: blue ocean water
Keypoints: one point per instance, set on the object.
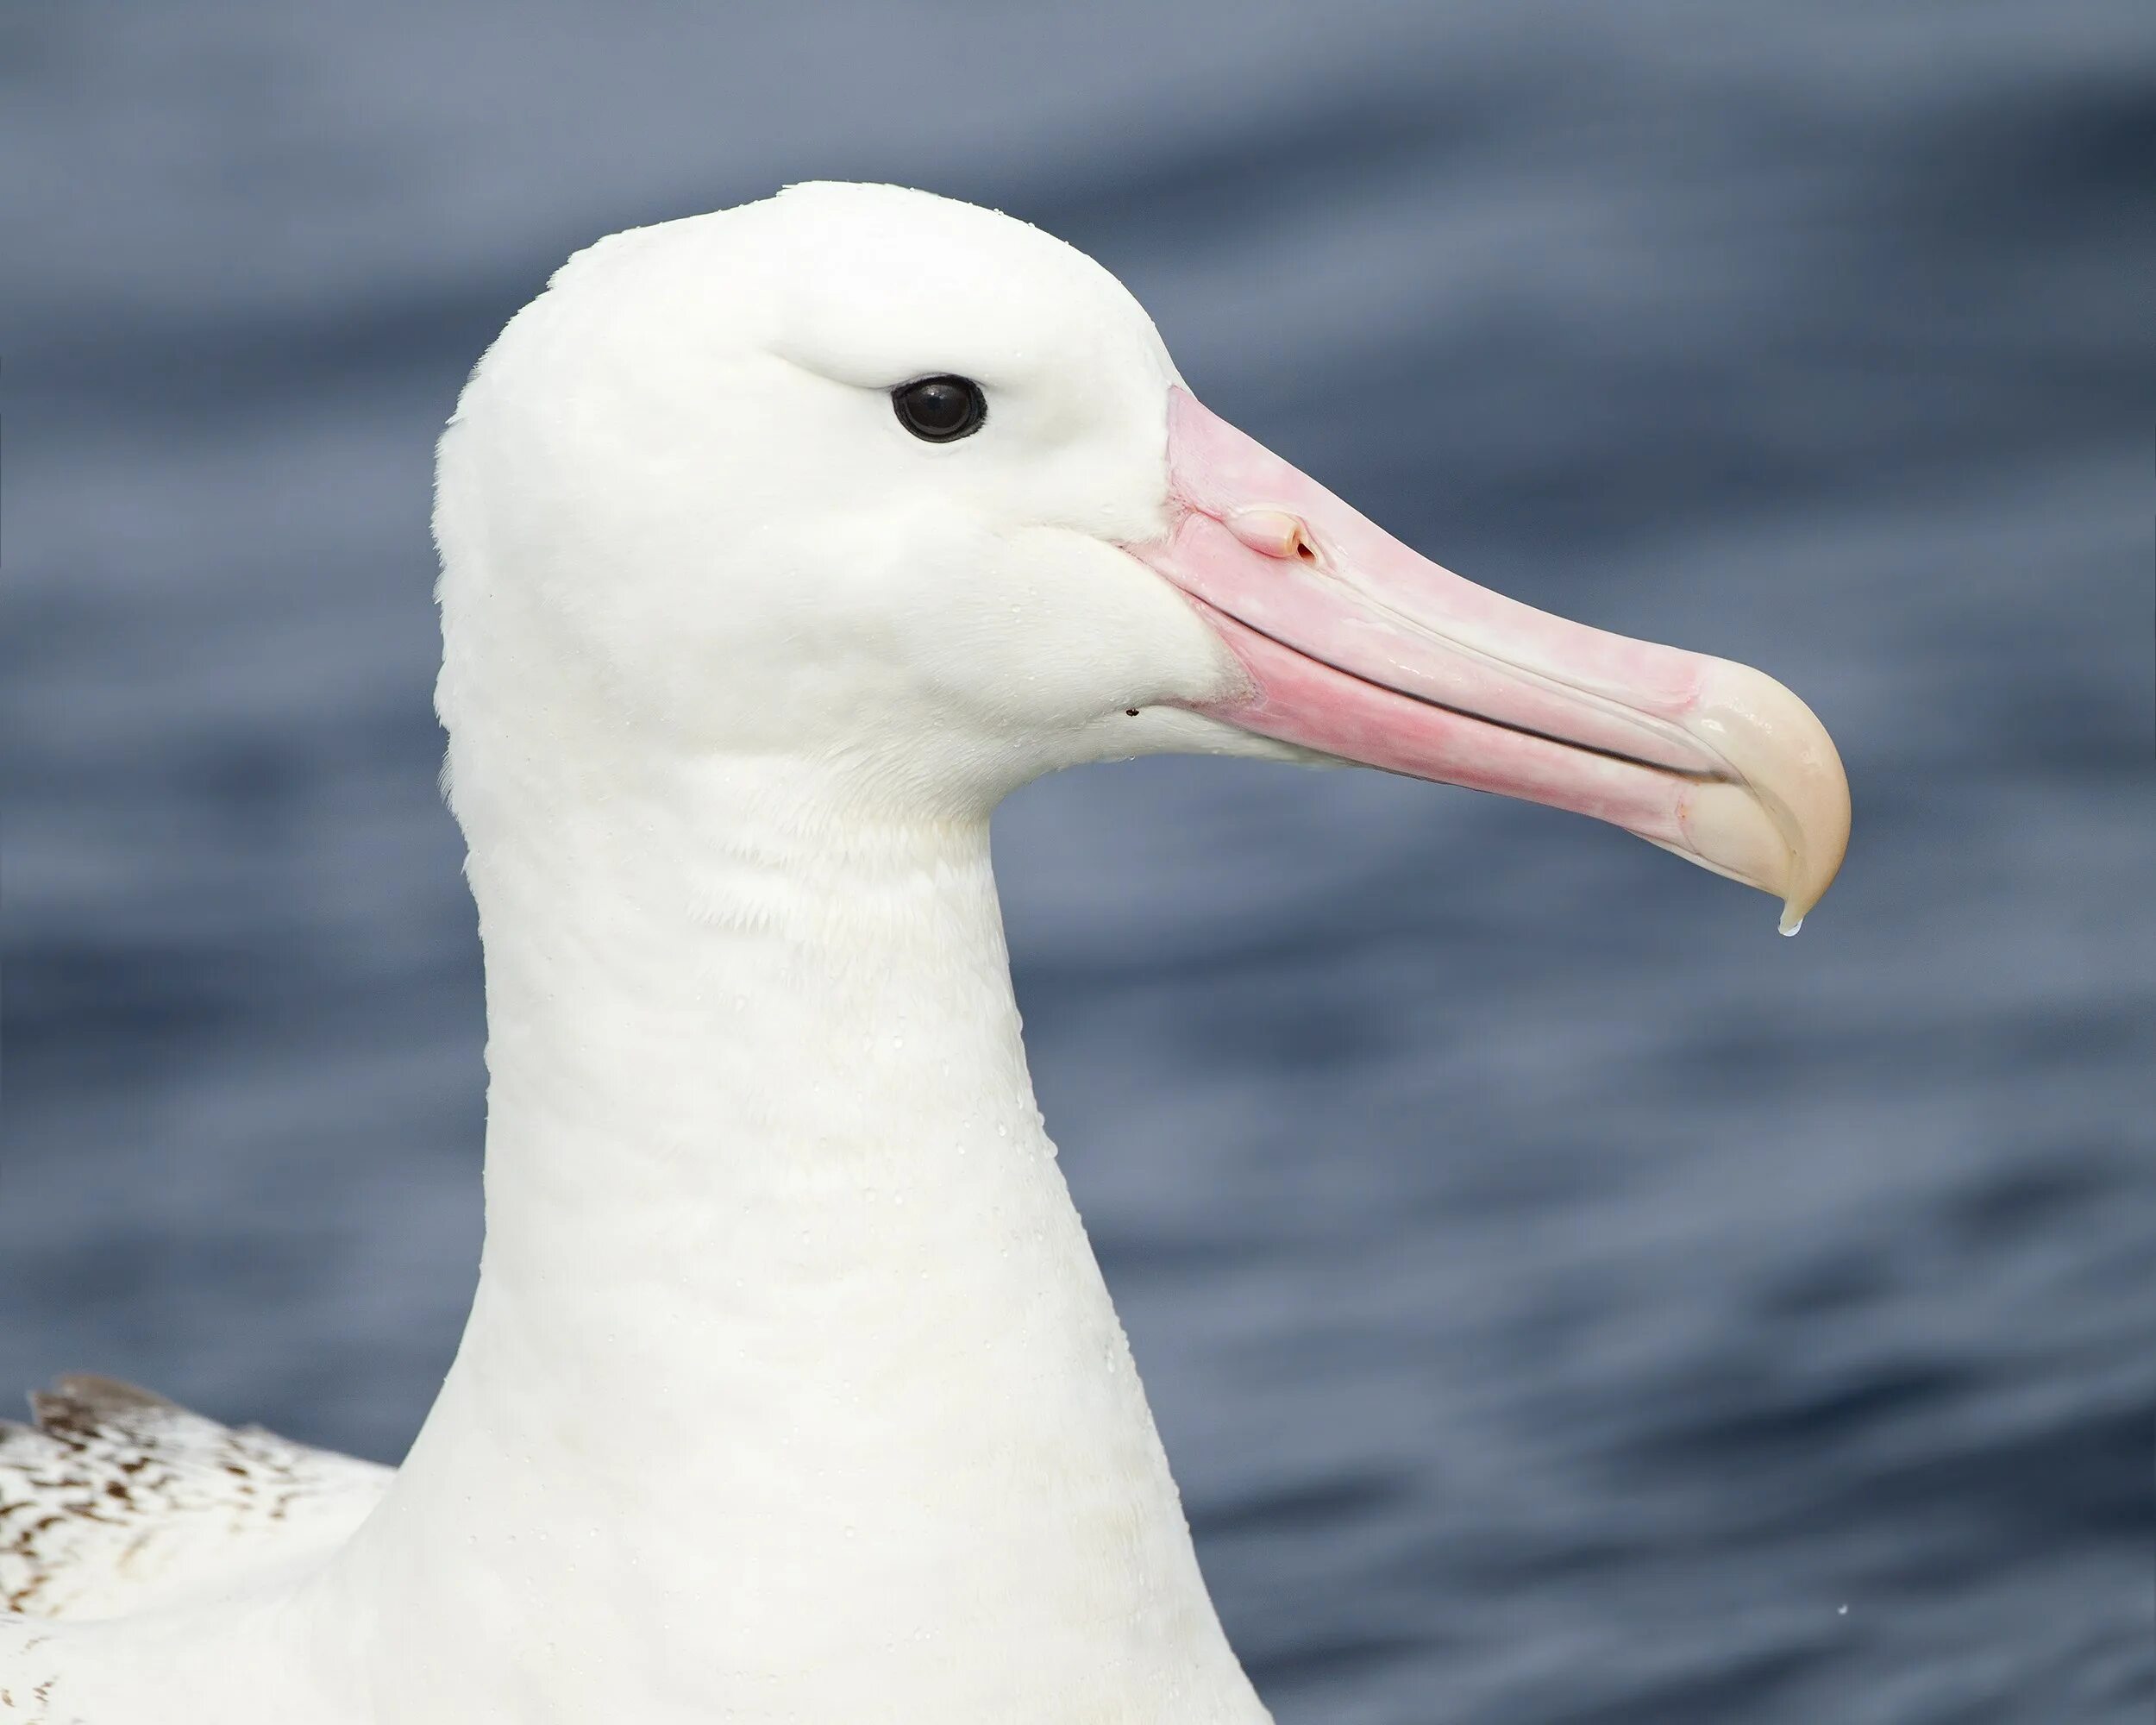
(1563, 1300)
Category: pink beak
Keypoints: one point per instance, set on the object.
(1358, 648)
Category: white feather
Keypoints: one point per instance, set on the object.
(791, 1392)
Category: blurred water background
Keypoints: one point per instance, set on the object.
(1563, 1301)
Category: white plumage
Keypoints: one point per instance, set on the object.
(791, 1391)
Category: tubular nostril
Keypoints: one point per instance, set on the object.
(1274, 532)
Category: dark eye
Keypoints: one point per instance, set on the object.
(940, 410)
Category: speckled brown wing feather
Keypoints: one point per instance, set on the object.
(116, 1500)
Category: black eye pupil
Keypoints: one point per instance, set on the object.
(940, 410)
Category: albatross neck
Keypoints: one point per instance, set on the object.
(786, 1323)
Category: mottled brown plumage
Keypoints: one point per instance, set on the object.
(115, 1496)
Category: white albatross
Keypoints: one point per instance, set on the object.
(778, 545)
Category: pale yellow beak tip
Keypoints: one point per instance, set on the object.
(1781, 823)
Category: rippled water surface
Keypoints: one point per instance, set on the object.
(1563, 1301)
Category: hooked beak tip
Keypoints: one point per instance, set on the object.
(1780, 820)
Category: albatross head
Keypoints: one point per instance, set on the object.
(910, 495)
